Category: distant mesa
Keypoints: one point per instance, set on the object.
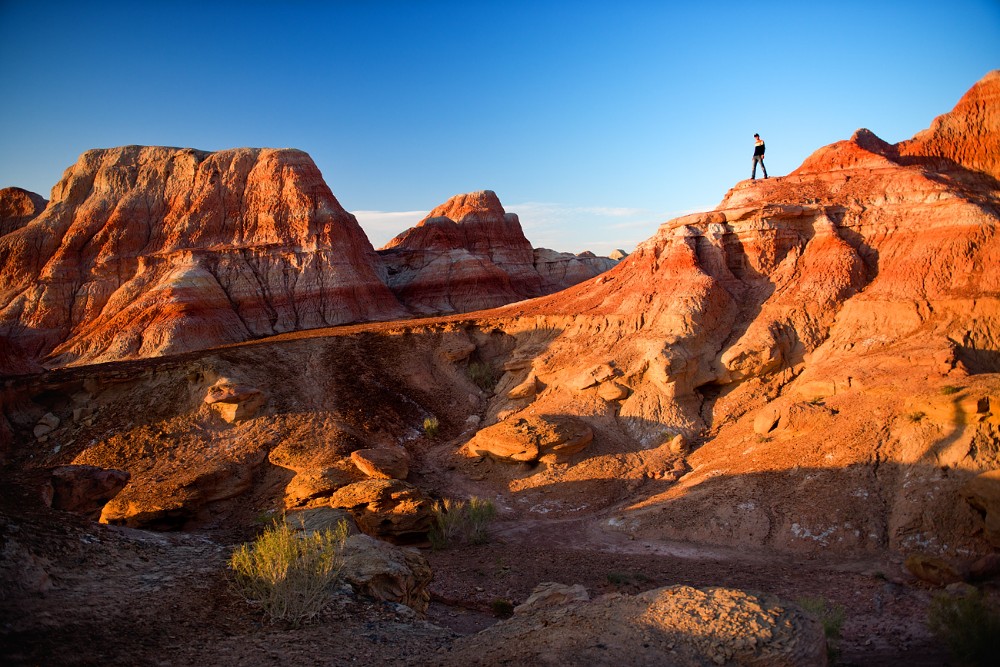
(470, 254)
(467, 254)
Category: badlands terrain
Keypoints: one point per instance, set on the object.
(793, 397)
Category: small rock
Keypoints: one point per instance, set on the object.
(48, 423)
(931, 569)
(383, 463)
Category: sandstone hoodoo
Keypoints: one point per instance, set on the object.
(145, 251)
(470, 254)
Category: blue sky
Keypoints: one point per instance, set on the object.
(594, 121)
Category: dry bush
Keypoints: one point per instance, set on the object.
(288, 573)
(969, 625)
(482, 375)
(459, 521)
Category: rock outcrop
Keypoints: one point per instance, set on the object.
(145, 251)
(387, 572)
(469, 254)
(678, 625)
(83, 489)
(387, 508)
(18, 207)
(560, 270)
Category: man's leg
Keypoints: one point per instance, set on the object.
(753, 174)
(762, 166)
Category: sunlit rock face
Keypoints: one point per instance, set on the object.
(467, 254)
(470, 254)
(858, 297)
(146, 251)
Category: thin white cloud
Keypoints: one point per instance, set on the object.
(382, 226)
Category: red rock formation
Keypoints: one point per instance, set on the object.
(469, 254)
(560, 270)
(147, 251)
(18, 207)
(968, 136)
(867, 278)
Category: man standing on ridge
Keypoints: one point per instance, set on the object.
(758, 156)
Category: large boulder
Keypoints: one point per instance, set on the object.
(387, 572)
(532, 438)
(387, 508)
(234, 402)
(677, 625)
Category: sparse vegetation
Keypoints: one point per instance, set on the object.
(831, 615)
(459, 521)
(502, 607)
(288, 574)
(916, 416)
(969, 626)
(950, 389)
(431, 427)
(626, 578)
(482, 375)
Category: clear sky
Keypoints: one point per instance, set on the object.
(593, 121)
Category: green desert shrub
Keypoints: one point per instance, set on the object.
(288, 573)
(482, 375)
(431, 427)
(968, 625)
(502, 607)
(627, 578)
(831, 616)
(460, 521)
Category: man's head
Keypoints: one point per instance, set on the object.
(756, 136)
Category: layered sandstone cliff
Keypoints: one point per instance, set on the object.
(146, 251)
(467, 254)
(470, 254)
